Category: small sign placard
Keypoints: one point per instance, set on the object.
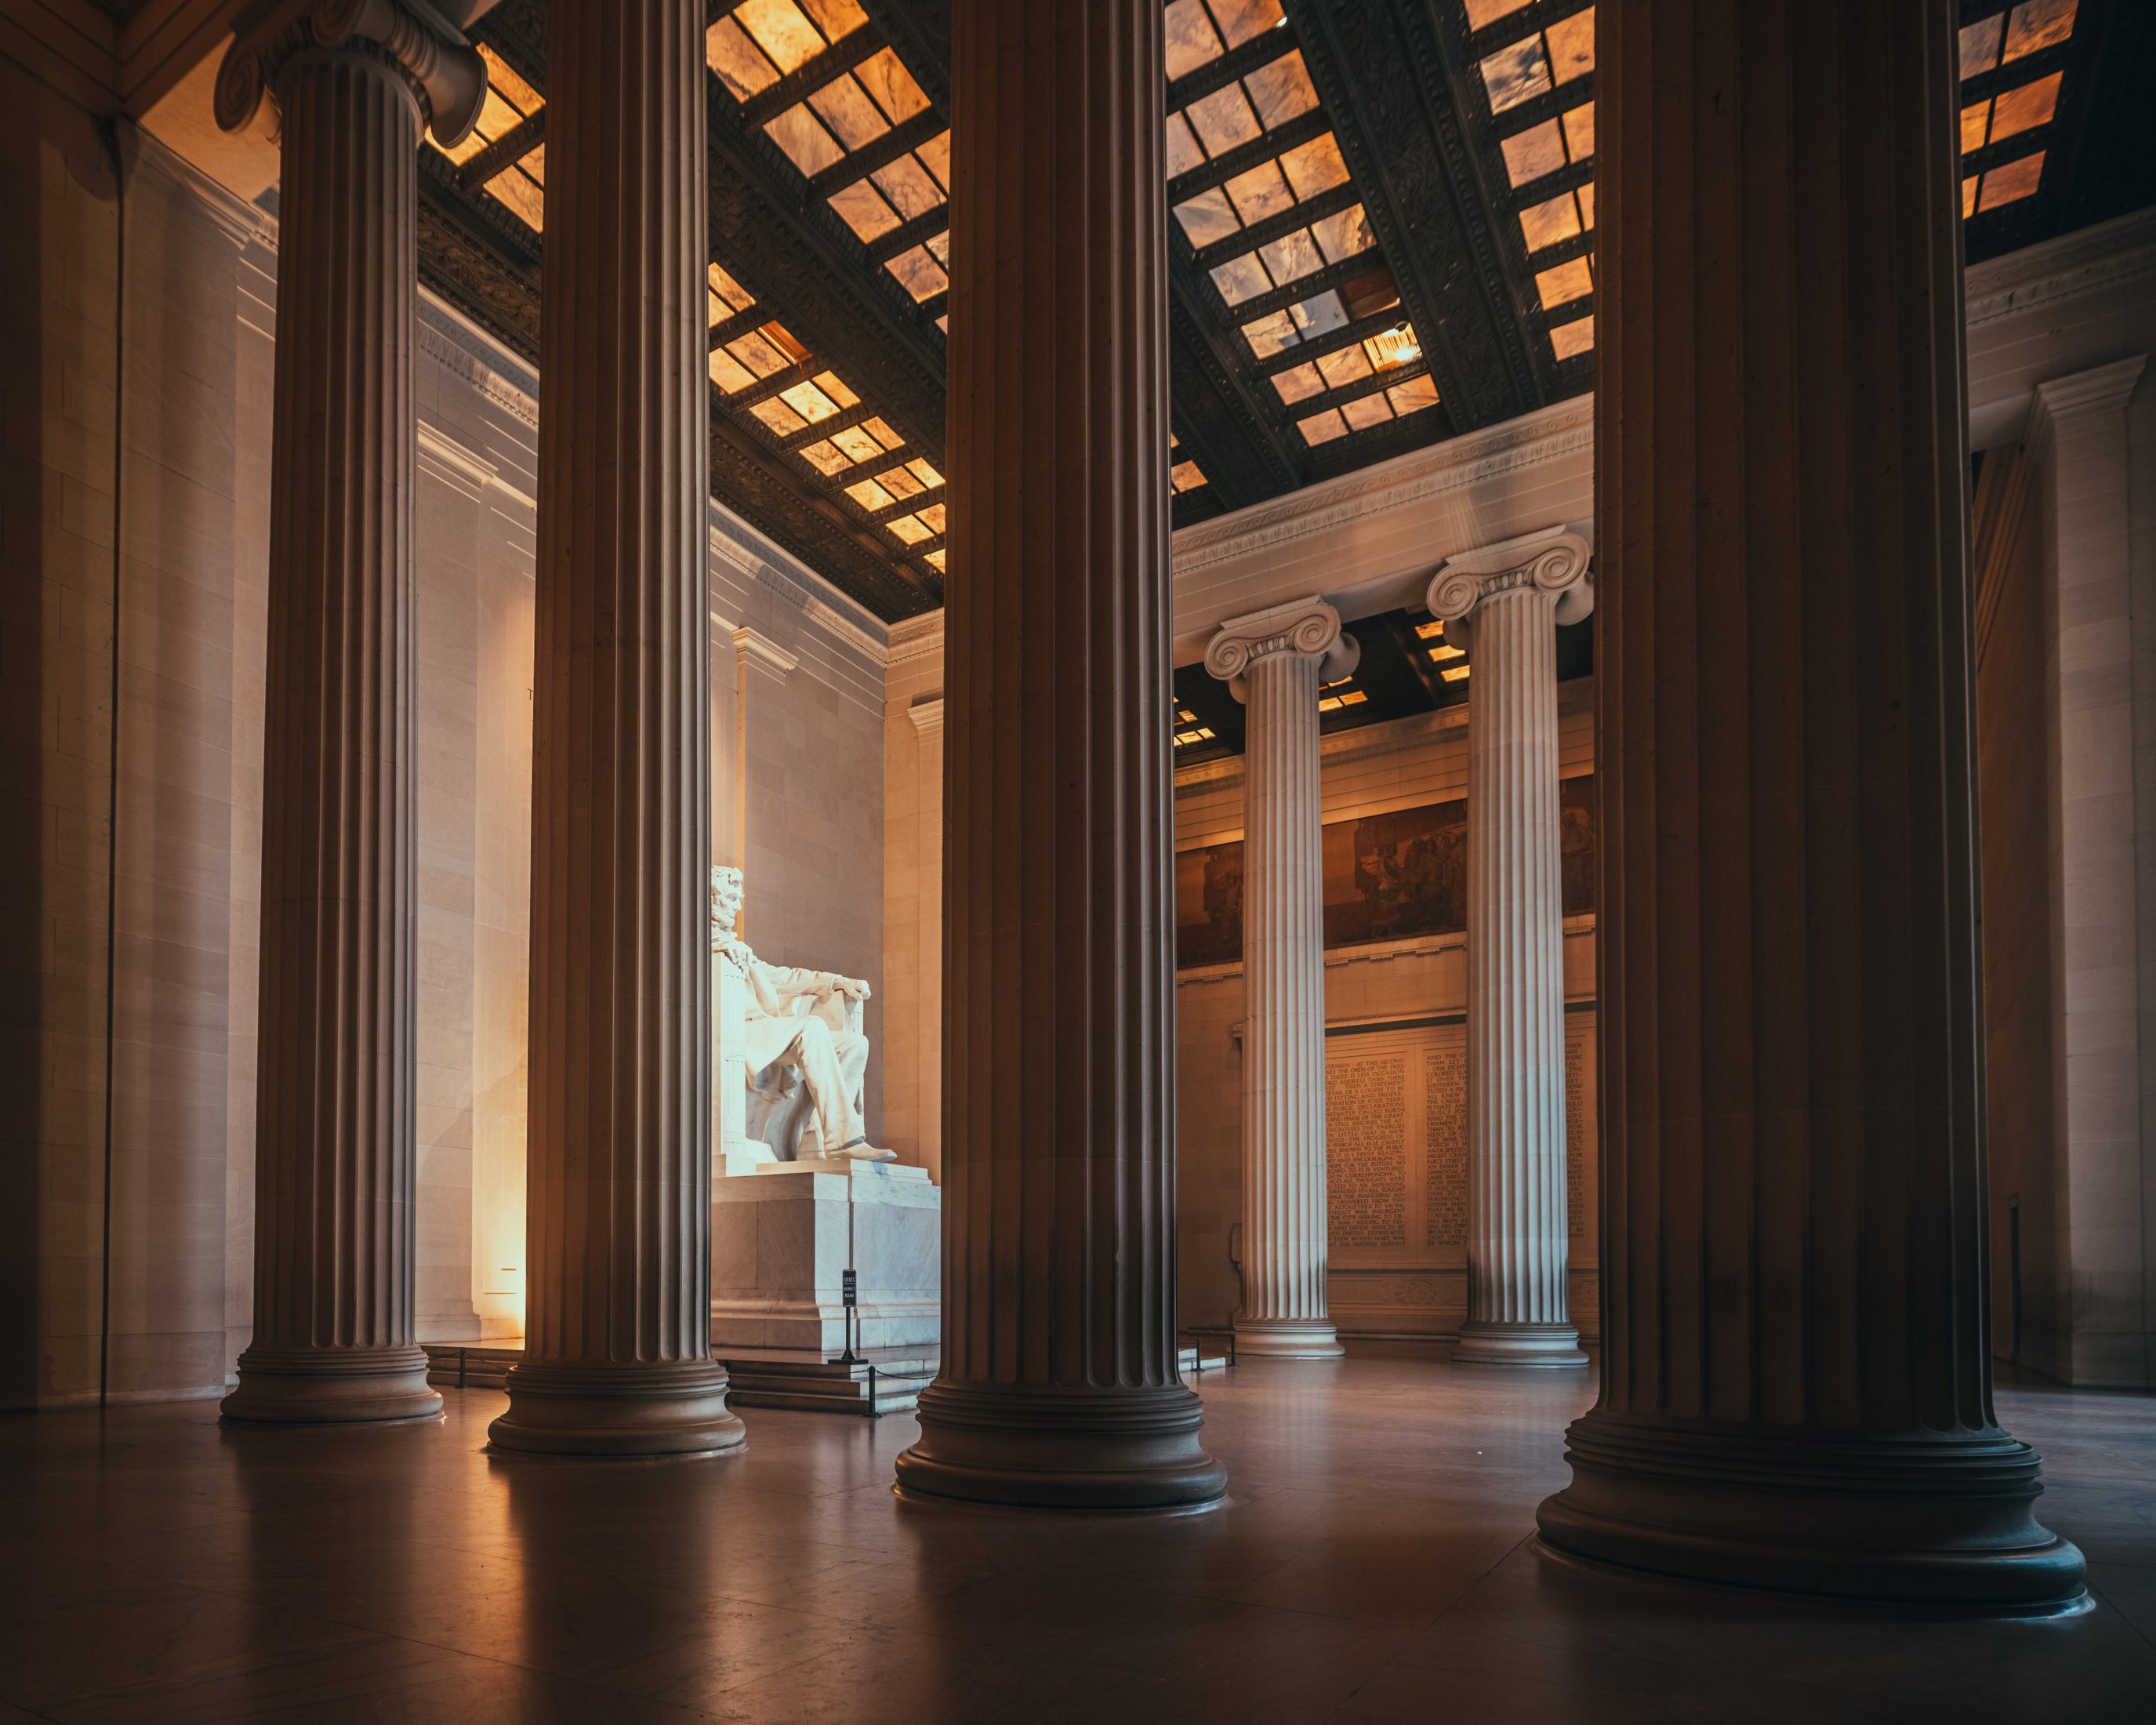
(850, 1287)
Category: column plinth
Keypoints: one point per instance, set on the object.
(618, 1164)
(349, 91)
(1273, 659)
(1504, 605)
(1796, 1386)
(1058, 1386)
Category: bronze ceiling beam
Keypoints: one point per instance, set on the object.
(511, 147)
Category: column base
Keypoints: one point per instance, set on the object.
(1287, 1338)
(1022, 1447)
(1931, 1519)
(1496, 1344)
(332, 1386)
(572, 1408)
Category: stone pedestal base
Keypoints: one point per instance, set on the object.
(783, 1236)
(323, 1386)
(1044, 1448)
(1518, 1345)
(674, 1407)
(1945, 1522)
(1287, 1338)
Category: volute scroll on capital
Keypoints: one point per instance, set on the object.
(445, 73)
(1557, 561)
(1308, 626)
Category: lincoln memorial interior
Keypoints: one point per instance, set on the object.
(919, 860)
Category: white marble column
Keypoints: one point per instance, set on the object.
(348, 90)
(617, 1357)
(2099, 735)
(1273, 659)
(1503, 605)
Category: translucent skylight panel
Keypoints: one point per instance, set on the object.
(1546, 224)
(900, 482)
(911, 528)
(1578, 124)
(808, 144)
(825, 457)
(2025, 108)
(1183, 153)
(1571, 44)
(740, 63)
(1980, 45)
(1241, 278)
(1290, 257)
(939, 248)
(1319, 315)
(869, 495)
(922, 472)
(1223, 119)
(1315, 166)
(1258, 193)
(1240, 20)
(810, 403)
(782, 29)
(729, 373)
(1345, 365)
(1482, 12)
(779, 419)
(934, 559)
(910, 187)
(844, 106)
(1343, 234)
(933, 518)
(936, 156)
(1366, 411)
(725, 297)
(1208, 217)
(857, 443)
(2037, 24)
(1516, 75)
(1975, 125)
(919, 274)
(1272, 333)
(892, 88)
(862, 208)
(1298, 383)
(1564, 283)
(2011, 181)
(1191, 40)
(1574, 337)
(1417, 394)
(521, 186)
(1281, 91)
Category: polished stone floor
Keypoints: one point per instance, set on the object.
(1374, 1564)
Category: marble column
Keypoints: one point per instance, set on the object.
(1273, 660)
(1795, 1384)
(1058, 1386)
(1503, 605)
(348, 90)
(617, 1358)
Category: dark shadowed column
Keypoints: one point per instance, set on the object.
(1059, 1385)
(351, 87)
(1796, 1384)
(617, 1176)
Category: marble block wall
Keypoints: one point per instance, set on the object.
(913, 894)
(1395, 1015)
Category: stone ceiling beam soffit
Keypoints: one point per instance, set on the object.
(1397, 108)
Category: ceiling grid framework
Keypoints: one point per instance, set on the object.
(1381, 233)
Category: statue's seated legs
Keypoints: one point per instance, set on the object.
(834, 1064)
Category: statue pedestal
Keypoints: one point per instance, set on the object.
(783, 1236)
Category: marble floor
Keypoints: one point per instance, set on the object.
(1374, 1564)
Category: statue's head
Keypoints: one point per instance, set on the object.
(725, 897)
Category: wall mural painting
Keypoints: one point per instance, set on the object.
(1388, 877)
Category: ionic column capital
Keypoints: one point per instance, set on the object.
(1309, 627)
(444, 72)
(1555, 561)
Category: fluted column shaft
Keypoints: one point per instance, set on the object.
(617, 1171)
(1058, 1383)
(1274, 659)
(336, 1134)
(1795, 1377)
(1505, 604)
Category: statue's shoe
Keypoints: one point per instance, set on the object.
(865, 1152)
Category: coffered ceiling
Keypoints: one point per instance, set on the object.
(1381, 234)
